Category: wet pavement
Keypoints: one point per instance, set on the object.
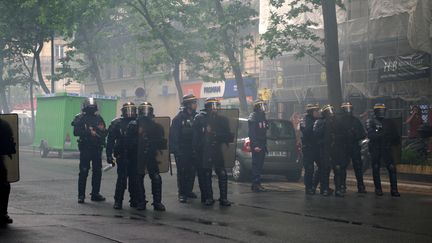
(43, 206)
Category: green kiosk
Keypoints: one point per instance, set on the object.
(55, 112)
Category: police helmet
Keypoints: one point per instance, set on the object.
(145, 110)
(260, 105)
(328, 110)
(188, 100)
(212, 104)
(347, 107)
(129, 110)
(310, 108)
(380, 110)
(89, 105)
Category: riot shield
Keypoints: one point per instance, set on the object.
(396, 124)
(229, 150)
(9, 148)
(152, 138)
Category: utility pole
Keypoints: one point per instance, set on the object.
(334, 88)
(52, 65)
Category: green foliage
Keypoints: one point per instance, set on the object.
(286, 35)
(410, 156)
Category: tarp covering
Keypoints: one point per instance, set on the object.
(420, 26)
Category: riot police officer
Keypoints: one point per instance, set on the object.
(210, 132)
(181, 146)
(150, 140)
(333, 150)
(383, 135)
(258, 126)
(310, 148)
(7, 148)
(356, 134)
(117, 147)
(89, 126)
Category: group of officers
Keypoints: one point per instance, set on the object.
(134, 141)
(330, 141)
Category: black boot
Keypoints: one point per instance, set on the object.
(156, 182)
(223, 188)
(4, 201)
(379, 192)
(182, 199)
(208, 194)
(82, 181)
(121, 185)
(5, 219)
(338, 176)
(118, 205)
(201, 184)
(393, 181)
(97, 198)
(358, 170)
(96, 182)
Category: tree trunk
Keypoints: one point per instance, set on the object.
(3, 101)
(229, 52)
(176, 76)
(96, 71)
(36, 54)
(334, 88)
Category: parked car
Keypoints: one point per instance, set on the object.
(283, 157)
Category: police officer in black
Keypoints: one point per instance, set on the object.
(150, 139)
(310, 148)
(7, 148)
(258, 126)
(181, 135)
(117, 147)
(211, 131)
(89, 126)
(332, 139)
(356, 134)
(383, 135)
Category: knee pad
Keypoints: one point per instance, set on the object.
(221, 173)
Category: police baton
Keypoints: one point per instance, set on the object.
(170, 165)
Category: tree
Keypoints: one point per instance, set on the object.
(95, 24)
(166, 33)
(286, 33)
(221, 26)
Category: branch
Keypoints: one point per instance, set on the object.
(309, 54)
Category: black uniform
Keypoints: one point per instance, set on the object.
(117, 146)
(90, 147)
(333, 147)
(310, 151)
(148, 139)
(383, 135)
(181, 145)
(258, 126)
(7, 148)
(211, 131)
(356, 133)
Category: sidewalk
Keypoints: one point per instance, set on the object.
(406, 182)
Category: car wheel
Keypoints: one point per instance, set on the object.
(294, 176)
(43, 150)
(239, 173)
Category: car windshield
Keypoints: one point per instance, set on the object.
(280, 129)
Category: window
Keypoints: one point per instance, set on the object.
(59, 51)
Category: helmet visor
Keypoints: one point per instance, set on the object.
(129, 111)
(145, 110)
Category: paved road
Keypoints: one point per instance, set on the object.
(43, 205)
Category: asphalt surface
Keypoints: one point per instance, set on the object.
(44, 208)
